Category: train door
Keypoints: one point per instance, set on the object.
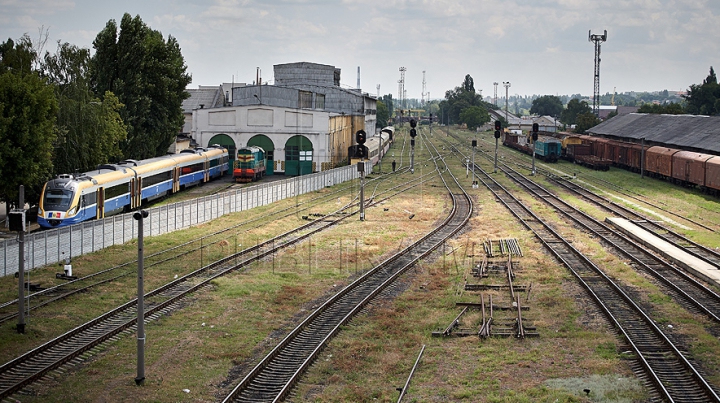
(264, 142)
(133, 192)
(176, 179)
(206, 171)
(138, 192)
(100, 197)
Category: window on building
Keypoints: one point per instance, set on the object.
(319, 101)
(305, 99)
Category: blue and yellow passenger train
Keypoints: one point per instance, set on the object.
(115, 188)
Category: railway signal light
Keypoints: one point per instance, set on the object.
(431, 118)
(535, 128)
(497, 134)
(413, 133)
(474, 143)
(413, 123)
(360, 151)
(498, 126)
(360, 137)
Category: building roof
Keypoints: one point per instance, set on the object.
(207, 96)
(692, 132)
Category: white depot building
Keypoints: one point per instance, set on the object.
(305, 121)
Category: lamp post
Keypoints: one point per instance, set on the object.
(140, 378)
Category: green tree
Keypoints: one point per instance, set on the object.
(668, 109)
(382, 114)
(89, 129)
(704, 99)
(474, 117)
(387, 100)
(17, 57)
(460, 98)
(148, 76)
(574, 108)
(585, 121)
(27, 120)
(549, 105)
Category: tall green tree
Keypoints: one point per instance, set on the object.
(389, 104)
(89, 128)
(704, 99)
(585, 121)
(574, 108)
(148, 75)
(547, 105)
(27, 123)
(382, 114)
(460, 98)
(474, 117)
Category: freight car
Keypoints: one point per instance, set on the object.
(127, 185)
(250, 164)
(548, 148)
(687, 168)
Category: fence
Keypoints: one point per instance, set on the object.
(54, 245)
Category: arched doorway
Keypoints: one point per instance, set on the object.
(227, 142)
(298, 156)
(263, 141)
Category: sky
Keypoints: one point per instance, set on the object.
(540, 47)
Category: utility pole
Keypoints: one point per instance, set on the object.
(597, 39)
(16, 221)
(507, 85)
(423, 89)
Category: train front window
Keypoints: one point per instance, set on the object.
(57, 199)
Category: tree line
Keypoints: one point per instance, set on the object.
(463, 105)
(71, 110)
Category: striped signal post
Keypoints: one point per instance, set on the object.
(360, 138)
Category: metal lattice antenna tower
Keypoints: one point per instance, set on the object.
(400, 91)
(597, 39)
(495, 84)
(402, 85)
(423, 89)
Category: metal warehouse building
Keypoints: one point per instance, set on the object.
(305, 121)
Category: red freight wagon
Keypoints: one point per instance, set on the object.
(601, 149)
(712, 173)
(658, 160)
(689, 166)
(634, 156)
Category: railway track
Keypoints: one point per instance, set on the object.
(668, 373)
(24, 370)
(688, 291)
(554, 173)
(701, 252)
(50, 295)
(274, 377)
